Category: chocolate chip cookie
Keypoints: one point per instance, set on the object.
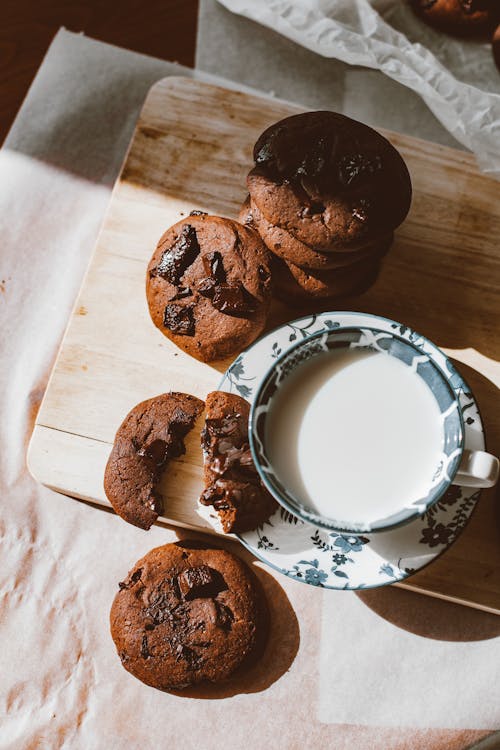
(187, 613)
(295, 286)
(286, 246)
(330, 181)
(459, 17)
(234, 499)
(208, 286)
(151, 434)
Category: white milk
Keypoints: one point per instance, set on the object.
(355, 435)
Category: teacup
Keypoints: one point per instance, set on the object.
(357, 430)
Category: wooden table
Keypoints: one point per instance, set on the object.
(162, 28)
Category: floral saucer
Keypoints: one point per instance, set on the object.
(337, 561)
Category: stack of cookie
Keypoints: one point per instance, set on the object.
(325, 195)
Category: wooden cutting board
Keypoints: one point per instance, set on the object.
(192, 149)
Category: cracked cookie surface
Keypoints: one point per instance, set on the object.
(187, 613)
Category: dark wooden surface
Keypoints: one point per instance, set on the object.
(162, 28)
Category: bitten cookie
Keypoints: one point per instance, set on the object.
(208, 286)
(286, 246)
(151, 433)
(459, 17)
(331, 182)
(187, 613)
(234, 499)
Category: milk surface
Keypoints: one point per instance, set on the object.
(355, 435)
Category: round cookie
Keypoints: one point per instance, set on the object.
(458, 17)
(208, 286)
(151, 433)
(331, 182)
(294, 286)
(187, 613)
(284, 245)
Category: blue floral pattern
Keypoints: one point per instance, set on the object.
(329, 560)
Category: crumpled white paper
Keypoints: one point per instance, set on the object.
(386, 36)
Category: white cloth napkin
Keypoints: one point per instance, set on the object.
(62, 685)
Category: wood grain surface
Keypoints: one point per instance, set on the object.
(192, 149)
(162, 28)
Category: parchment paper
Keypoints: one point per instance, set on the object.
(62, 684)
(457, 80)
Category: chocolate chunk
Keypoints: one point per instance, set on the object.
(156, 452)
(133, 579)
(233, 299)
(264, 274)
(356, 166)
(206, 287)
(182, 293)
(224, 616)
(198, 213)
(179, 319)
(144, 648)
(214, 266)
(231, 457)
(226, 425)
(198, 582)
(213, 494)
(315, 160)
(179, 257)
(189, 655)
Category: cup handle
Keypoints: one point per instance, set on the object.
(477, 469)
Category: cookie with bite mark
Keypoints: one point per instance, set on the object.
(150, 435)
(234, 499)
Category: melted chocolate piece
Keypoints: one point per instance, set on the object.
(195, 212)
(180, 256)
(213, 495)
(214, 267)
(355, 167)
(202, 581)
(179, 319)
(227, 425)
(233, 299)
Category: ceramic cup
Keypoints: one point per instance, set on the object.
(453, 464)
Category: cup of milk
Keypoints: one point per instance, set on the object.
(357, 430)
